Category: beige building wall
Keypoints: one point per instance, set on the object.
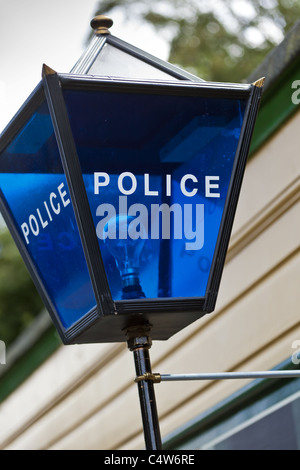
(84, 397)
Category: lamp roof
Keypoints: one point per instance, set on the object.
(108, 55)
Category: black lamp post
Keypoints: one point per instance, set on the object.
(120, 194)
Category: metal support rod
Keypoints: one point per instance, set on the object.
(140, 346)
(231, 375)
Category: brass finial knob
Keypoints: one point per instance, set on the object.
(101, 23)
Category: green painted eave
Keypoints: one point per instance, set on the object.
(276, 108)
(281, 69)
(29, 352)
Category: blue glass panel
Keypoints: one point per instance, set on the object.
(162, 163)
(33, 184)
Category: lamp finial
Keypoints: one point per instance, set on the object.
(101, 24)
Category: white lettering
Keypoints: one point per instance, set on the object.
(115, 460)
(33, 223)
(25, 230)
(209, 186)
(57, 208)
(127, 184)
(97, 183)
(48, 211)
(183, 188)
(176, 221)
(63, 195)
(168, 185)
(147, 190)
(127, 174)
(43, 223)
(42, 216)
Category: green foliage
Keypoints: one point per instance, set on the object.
(19, 301)
(217, 40)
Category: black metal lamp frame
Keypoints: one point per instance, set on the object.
(133, 320)
(108, 321)
(136, 321)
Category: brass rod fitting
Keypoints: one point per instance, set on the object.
(155, 378)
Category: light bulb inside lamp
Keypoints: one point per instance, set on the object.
(125, 244)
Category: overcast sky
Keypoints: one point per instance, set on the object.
(33, 32)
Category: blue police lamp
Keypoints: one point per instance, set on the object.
(120, 193)
(119, 183)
